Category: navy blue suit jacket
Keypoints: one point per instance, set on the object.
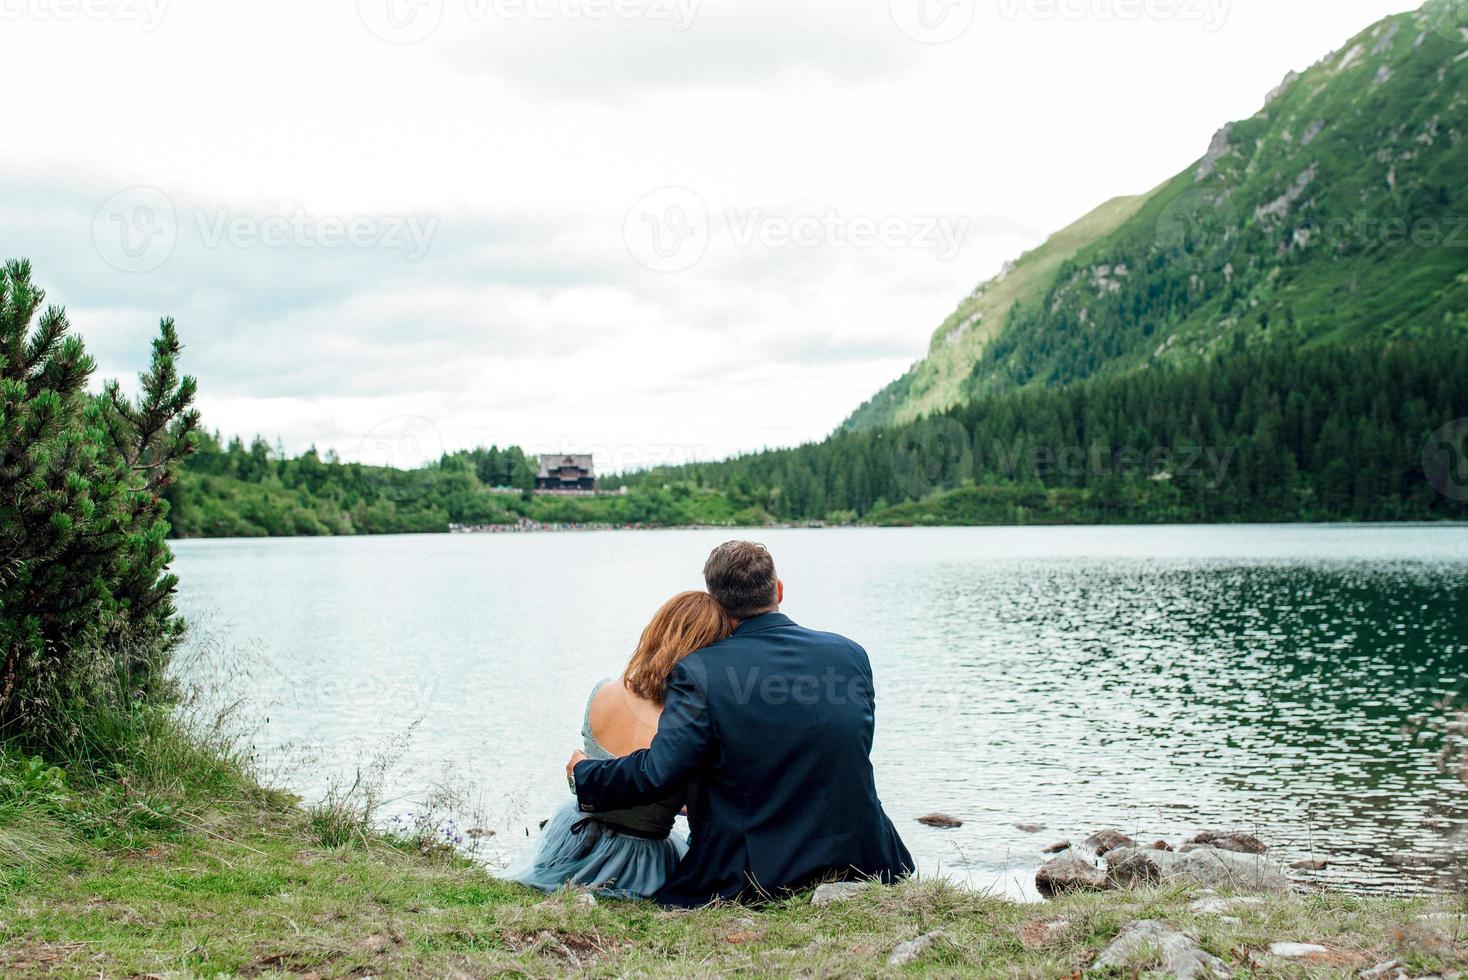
(771, 732)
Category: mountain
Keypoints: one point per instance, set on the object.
(938, 381)
(1337, 213)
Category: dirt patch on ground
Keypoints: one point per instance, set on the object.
(39, 957)
(1042, 933)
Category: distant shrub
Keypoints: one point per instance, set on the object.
(87, 619)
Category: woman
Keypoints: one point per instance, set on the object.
(628, 853)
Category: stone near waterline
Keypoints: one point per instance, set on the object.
(1297, 951)
(838, 891)
(1230, 840)
(1107, 840)
(913, 948)
(1069, 872)
(1199, 865)
(1129, 866)
(1057, 847)
(1161, 845)
(476, 833)
(1310, 864)
(1029, 828)
(942, 821)
(1040, 933)
(1218, 906)
(1148, 941)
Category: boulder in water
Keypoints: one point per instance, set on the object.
(1198, 865)
(942, 821)
(1069, 872)
(1231, 840)
(1107, 840)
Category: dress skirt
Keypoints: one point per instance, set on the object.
(585, 854)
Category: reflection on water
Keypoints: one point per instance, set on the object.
(1160, 680)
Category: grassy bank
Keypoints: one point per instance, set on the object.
(189, 870)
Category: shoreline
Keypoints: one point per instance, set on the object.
(820, 526)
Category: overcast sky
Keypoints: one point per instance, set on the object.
(649, 228)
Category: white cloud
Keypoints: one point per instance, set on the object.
(286, 139)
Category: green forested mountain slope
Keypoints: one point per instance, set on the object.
(1339, 212)
(940, 380)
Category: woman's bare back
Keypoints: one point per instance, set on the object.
(621, 722)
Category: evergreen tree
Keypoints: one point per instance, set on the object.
(87, 620)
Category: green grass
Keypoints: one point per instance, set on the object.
(245, 886)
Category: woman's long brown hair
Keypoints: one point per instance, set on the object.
(687, 622)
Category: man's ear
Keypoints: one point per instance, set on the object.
(779, 592)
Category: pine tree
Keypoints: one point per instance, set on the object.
(87, 619)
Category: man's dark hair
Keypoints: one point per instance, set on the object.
(740, 575)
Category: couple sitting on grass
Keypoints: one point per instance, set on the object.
(762, 729)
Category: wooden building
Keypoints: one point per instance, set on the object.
(572, 471)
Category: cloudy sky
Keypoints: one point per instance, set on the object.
(652, 228)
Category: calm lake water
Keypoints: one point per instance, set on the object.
(1159, 680)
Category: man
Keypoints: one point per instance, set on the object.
(771, 731)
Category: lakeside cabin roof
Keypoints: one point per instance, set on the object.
(552, 464)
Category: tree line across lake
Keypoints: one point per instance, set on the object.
(1273, 434)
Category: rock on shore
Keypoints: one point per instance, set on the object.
(1111, 859)
(1069, 872)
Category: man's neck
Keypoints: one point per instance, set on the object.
(736, 623)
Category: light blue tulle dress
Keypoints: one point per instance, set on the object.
(625, 854)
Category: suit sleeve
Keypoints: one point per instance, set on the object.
(683, 741)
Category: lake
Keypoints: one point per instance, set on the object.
(1160, 680)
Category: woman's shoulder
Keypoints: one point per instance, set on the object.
(598, 693)
(619, 714)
